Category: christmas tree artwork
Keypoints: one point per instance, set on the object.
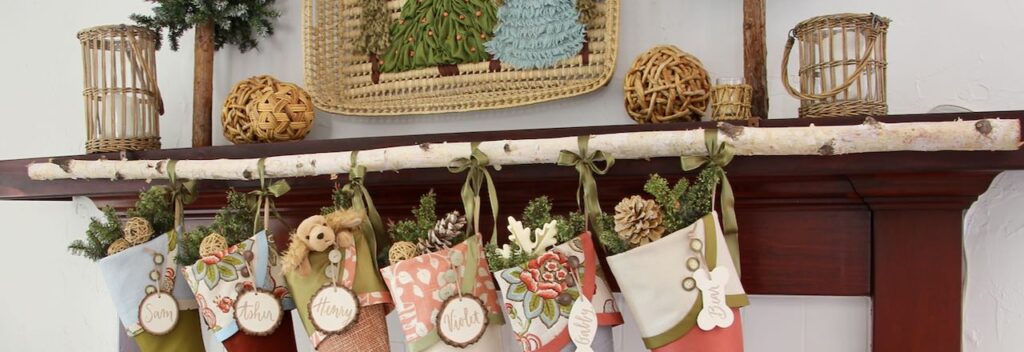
(440, 32)
(537, 33)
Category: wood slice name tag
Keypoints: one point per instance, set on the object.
(462, 320)
(582, 324)
(158, 313)
(712, 287)
(258, 312)
(333, 309)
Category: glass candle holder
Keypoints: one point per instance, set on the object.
(730, 99)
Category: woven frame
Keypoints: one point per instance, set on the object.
(842, 65)
(730, 102)
(122, 99)
(341, 81)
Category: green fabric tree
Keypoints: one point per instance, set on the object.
(440, 32)
(374, 36)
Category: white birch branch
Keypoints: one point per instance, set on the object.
(872, 136)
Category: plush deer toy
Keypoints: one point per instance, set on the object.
(319, 233)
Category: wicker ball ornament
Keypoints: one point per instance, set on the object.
(401, 250)
(281, 112)
(666, 84)
(117, 246)
(263, 109)
(213, 243)
(137, 231)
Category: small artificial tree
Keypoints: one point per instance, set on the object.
(537, 33)
(440, 33)
(217, 22)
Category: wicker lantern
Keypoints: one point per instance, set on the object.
(842, 65)
(730, 99)
(122, 101)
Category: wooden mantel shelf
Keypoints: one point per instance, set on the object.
(886, 225)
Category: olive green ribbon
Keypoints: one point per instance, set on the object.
(182, 193)
(719, 155)
(476, 165)
(264, 197)
(376, 237)
(585, 164)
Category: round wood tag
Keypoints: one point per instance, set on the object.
(333, 309)
(462, 320)
(158, 313)
(258, 312)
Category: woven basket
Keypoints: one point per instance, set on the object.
(122, 100)
(842, 65)
(341, 81)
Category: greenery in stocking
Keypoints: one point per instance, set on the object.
(100, 235)
(236, 22)
(154, 205)
(439, 32)
(235, 221)
(417, 228)
(537, 33)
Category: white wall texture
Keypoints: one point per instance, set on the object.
(940, 52)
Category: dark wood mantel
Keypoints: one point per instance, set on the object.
(885, 225)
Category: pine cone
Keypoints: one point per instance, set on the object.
(445, 231)
(638, 221)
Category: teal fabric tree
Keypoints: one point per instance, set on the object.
(537, 33)
(440, 32)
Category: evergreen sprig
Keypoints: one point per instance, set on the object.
(99, 236)
(537, 213)
(236, 22)
(496, 261)
(235, 221)
(341, 198)
(683, 203)
(424, 219)
(154, 205)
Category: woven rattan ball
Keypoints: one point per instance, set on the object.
(281, 112)
(400, 251)
(666, 84)
(137, 231)
(119, 245)
(237, 124)
(213, 243)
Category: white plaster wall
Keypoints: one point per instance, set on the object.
(940, 52)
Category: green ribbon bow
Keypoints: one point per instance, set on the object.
(182, 193)
(719, 155)
(586, 165)
(361, 201)
(264, 197)
(476, 164)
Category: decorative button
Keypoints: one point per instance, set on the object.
(158, 258)
(334, 256)
(696, 245)
(689, 284)
(154, 275)
(331, 270)
(692, 264)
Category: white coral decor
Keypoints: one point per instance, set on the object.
(535, 244)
